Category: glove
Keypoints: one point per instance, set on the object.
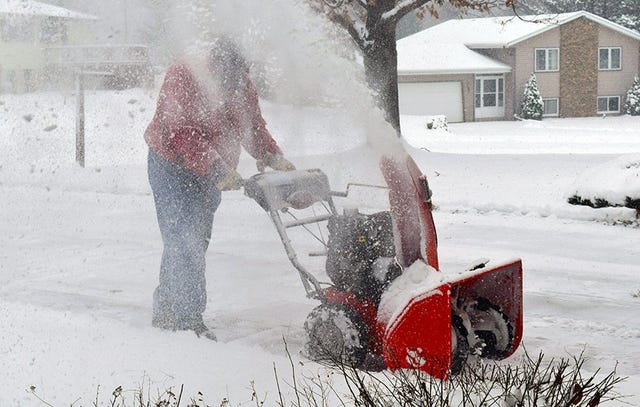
(275, 161)
(230, 182)
(282, 164)
(224, 177)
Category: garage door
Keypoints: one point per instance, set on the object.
(432, 98)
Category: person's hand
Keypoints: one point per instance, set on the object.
(276, 162)
(230, 182)
(279, 163)
(225, 178)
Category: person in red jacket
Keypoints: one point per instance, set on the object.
(206, 112)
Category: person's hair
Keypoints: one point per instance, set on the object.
(227, 61)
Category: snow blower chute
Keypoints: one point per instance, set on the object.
(388, 305)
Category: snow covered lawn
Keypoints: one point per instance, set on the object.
(80, 249)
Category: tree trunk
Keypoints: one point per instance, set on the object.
(381, 70)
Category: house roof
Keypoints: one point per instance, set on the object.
(499, 32)
(447, 48)
(417, 57)
(36, 8)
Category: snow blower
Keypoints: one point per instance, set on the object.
(388, 305)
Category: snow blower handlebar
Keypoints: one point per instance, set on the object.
(279, 191)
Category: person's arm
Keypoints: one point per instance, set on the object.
(259, 143)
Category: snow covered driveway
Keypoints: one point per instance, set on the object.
(80, 250)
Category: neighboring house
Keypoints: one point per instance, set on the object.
(44, 46)
(476, 69)
(27, 28)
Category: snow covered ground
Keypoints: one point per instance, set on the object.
(80, 249)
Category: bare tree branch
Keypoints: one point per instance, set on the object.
(372, 26)
(355, 28)
(343, 13)
(338, 3)
(402, 7)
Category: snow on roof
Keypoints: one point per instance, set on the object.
(419, 57)
(447, 48)
(498, 32)
(36, 8)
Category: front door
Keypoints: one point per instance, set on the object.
(489, 96)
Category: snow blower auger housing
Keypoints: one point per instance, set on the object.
(388, 305)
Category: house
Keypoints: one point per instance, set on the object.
(476, 69)
(45, 46)
(27, 28)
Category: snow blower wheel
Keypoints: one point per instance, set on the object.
(491, 327)
(336, 334)
(459, 344)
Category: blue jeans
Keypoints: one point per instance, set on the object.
(185, 205)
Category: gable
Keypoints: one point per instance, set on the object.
(504, 32)
(569, 17)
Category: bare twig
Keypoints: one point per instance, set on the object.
(275, 372)
(32, 390)
(293, 370)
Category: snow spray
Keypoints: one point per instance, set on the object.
(298, 57)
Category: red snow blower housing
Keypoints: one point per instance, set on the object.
(388, 305)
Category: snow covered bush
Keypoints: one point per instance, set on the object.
(437, 122)
(632, 101)
(614, 183)
(532, 106)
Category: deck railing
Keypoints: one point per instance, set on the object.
(92, 55)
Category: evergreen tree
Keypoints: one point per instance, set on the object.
(632, 103)
(630, 16)
(623, 12)
(532, 106)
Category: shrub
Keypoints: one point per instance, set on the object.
(532, 382)
(632, 102)
(528, 383)
(532, 106)
(437, 122)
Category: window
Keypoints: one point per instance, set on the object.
(547, 59)
(551, 107)
(609, 58)
(608, 104)
(489, 92)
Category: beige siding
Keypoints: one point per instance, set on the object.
(21, 61)
(612, 83)
(79, 32)
(548, 82)
(23, 54)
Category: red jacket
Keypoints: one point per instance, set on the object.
(189, 130)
